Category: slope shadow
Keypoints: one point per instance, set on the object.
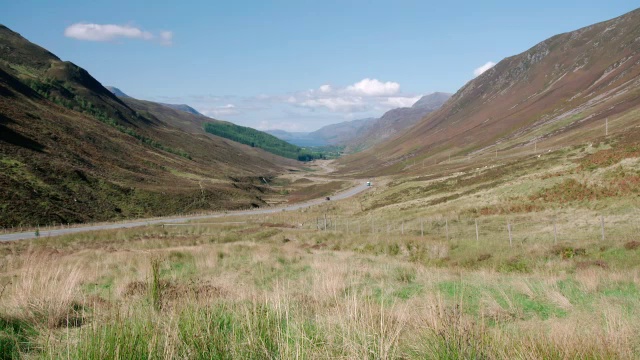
(12, 137)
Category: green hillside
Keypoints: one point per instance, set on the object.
(262, 140)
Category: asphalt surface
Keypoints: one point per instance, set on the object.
(137, 223)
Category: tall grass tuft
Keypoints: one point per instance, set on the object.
(45, 293)
(155, 288)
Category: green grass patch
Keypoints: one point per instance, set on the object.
(570, 289)
(15, 338)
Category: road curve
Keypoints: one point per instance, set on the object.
(57, 232)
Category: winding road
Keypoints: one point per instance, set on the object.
(136, 223)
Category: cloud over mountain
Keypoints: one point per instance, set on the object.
(364, 95)
(373, 87)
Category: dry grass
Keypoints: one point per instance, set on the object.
(259, 297)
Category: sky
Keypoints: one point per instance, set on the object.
(294, 65)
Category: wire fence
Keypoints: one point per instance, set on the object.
(510, 230)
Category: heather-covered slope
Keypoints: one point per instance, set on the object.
(557, 93)
(71, 151)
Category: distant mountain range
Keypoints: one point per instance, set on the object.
(334, 134)
(357, 135)
(395, 121)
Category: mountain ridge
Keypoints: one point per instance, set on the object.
(555, 91)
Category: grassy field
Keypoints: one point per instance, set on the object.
(399, 272)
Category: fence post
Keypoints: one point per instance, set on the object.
(555, 231)
(358, 227)
(446, 228)
(602, 226)
(510, 239)
(402, 228)
(421, 228)
(325, 222)
(477, 234)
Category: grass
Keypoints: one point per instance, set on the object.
(289, 292)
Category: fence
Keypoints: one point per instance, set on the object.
(510, 230)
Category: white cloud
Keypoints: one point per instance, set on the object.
(166, 38)
(374, 87)
(228, 109)
(325, 89)
(483, 68)
(109, 32)
(280, 125)
(336, 104)
(364, 95)
(400, 101)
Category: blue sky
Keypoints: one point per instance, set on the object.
(293, 65)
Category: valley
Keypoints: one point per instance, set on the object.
(498, 222)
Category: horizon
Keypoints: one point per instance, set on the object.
(294, 66)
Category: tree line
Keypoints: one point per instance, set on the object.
(262, 140)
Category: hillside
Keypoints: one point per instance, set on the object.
(260, 144)
(559, 92)
(255, 138)
(71, 151)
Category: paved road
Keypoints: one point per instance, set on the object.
(44, 233)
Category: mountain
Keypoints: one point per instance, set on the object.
(395, 121)
(182, 107)
(117, 92)
(71, 151)
(341, 133)
(335, 134)
(557, 93)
